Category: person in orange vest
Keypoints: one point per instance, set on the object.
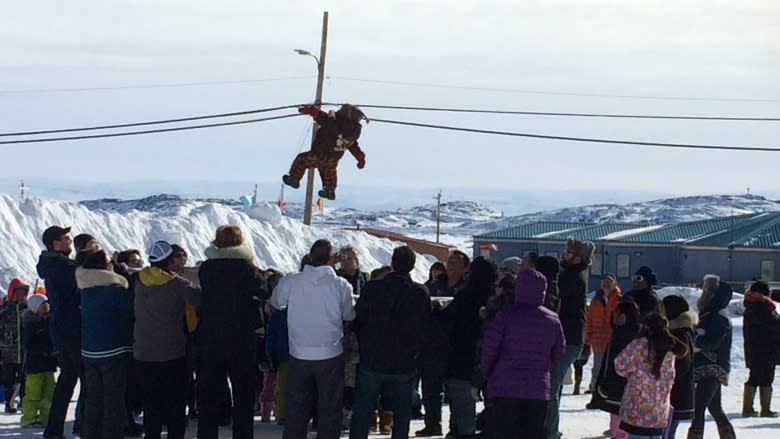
(598, 327)
(11, 352)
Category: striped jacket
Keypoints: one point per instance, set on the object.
(106, 316)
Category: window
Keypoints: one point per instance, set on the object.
(623, 266)
(597, 267)
(768, 270)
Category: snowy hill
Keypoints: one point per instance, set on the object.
(277, 241)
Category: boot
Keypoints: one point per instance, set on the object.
(328, 194)
(696, 433)
(765, 395)
(10, 408)
(747, 401)
(432, 419)
(373, 427)
(385, 422)
(290, 181)
(726, 431)
(346, 419)
(266, 408)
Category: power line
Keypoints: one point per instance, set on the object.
(581, 139)
(154, 122)
(552, 93)
(135, 133)
(547, 113)
(150, 86)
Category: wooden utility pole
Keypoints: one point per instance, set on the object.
(438, 216)
(22, 190)
(317, 101)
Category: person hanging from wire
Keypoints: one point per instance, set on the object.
(338, 132)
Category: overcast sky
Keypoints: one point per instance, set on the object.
(704, 49)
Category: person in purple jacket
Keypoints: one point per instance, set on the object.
(519, 349)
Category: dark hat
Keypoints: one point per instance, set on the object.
(54, 233)
(647, 275)
(675, 305)
(81, 241)
(548, 266)
(583, 249)
(760, 287)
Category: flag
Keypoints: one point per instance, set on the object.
(281, 203)
(245, 200)
(321, 205)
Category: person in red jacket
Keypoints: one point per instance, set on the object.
(338, 132)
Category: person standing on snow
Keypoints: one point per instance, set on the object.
(642, 292)
(598, 324)
(682, 324)
(572, 288)
(318, 304)
(761, 329)
(11, 353)
(160, 341)
(230, 314)
(338, 132)
(59, 273)
(712, 359)
(39, 364)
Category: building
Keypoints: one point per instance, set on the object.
(737, 248)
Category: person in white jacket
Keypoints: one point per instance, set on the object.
(319, 304)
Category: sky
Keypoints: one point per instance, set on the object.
(469, 54)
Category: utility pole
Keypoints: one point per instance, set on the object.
(438, 216)
(317, 101)
(254, 197)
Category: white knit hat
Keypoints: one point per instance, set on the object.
(35, 301)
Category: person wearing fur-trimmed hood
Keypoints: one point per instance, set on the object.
(682, 324)
(106, 344)
(761, 329)
(712, 359)
(230, 314)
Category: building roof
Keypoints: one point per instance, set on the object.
(758, 230)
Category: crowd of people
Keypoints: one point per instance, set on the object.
(337, 350)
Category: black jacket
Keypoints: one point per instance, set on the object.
(572, 291)
(682, 396)
(465, 330)
(357, 280)
(761, 329)
(231, 305)
(610, 385)
(39, 356)
(59, 272)
(647, 301)
(391, 317)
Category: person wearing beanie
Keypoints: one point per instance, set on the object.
(682, 324)
(39, 365)
(519, 349)
(712, 358)
(159, 342)
(761, 330)
(510, 265)
(642, 292)
(577, 257)
(11, 352)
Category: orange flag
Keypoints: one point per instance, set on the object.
(321, 204)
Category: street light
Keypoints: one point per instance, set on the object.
(317, 101)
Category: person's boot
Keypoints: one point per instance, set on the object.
(328, 194)
(696, 433)
(765, 395)
(290, 181)
(747, 401)
(726, 431)
(432, 420)
(10, 407)
(385, 422)
(577, 382)
(346, 419)
(373, 426)
(266, 408)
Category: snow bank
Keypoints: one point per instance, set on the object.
(277, 241)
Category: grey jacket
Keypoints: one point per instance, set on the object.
(159, 333)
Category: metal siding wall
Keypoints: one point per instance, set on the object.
(698, 263)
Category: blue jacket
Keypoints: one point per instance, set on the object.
(713, 344)
(59, 273)
(277, 344)
(106, 316)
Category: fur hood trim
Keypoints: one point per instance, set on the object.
(238, 252)
(88, 278)
(688, 319)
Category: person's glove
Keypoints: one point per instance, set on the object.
(311, 110)
(361, 161)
